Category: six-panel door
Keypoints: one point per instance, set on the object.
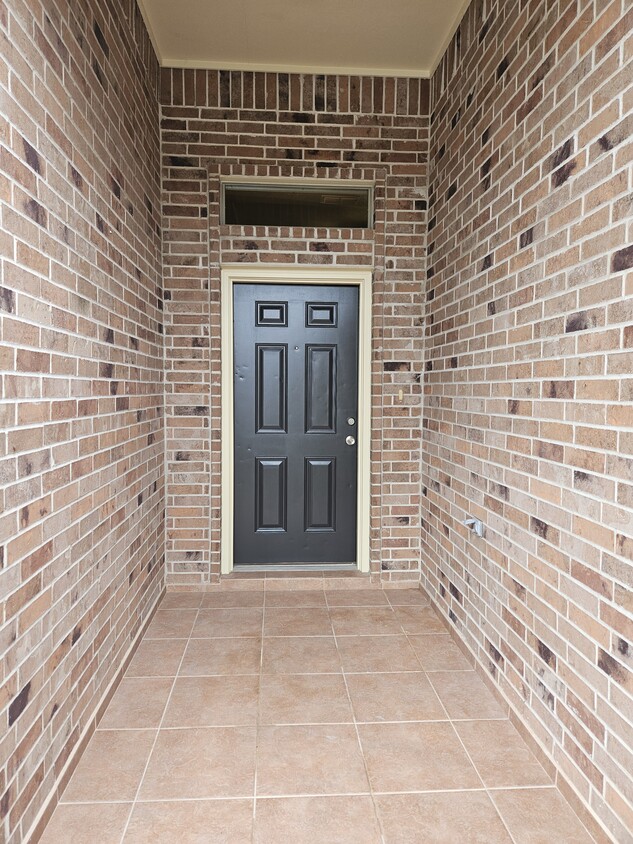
(295, 423)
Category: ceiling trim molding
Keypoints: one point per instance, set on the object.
(451, 32)
(404, 73)
(150, 30)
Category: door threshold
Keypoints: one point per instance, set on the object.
(297, 567)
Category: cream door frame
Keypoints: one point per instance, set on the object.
(362, 278)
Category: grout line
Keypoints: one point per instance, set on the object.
(299, 635)
(379, 793)
(243, 797)
(250, 724)
(543, 786)
(302, 636)
(459, 738)
(486, 789)
(302, 674)
(496, 808)
(171, 691)
(440, 701)
(360, 746)
(258, 718)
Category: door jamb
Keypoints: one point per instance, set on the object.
(361, 278)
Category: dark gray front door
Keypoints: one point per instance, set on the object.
(296, 402)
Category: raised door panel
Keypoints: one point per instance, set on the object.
(271, 494)
(271, 388)
(320, 494)
(320, 389)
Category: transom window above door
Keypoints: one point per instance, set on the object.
(331, 205)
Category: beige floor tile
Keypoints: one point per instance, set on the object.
(465, 695)
(407, 597)
(394, 697)
(438, 652)
(221, 656)
(213, 702)
(250, 581)
(308, 621)
(238, 621)
(191, 822)
(171, 624)
(111, 767)
(138, 702)
(465, 817)
(309, 761)
(304, 699)
(298, 598)
(316, 820)
(300, 655)
(87, 823)
(377, 653)
(157, 658)
(283, 581)
(233, 598)
(419, 620)
(201, 762)
(364, 621)
(539, 816)
(181, 601)
(357, 598)
(500, 755)
(345, 579)
(415, 757)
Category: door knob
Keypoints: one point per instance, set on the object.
(350, 440)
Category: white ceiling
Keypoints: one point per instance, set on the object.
(381, 37)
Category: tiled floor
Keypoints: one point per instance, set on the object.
(334, 717)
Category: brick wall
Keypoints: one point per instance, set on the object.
(81, 460)
(260, 124)
(528, 389)
(528, 383)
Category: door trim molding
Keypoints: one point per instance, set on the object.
(362, 278)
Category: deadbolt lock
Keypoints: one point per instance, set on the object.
(351, 420)
(350, 440)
